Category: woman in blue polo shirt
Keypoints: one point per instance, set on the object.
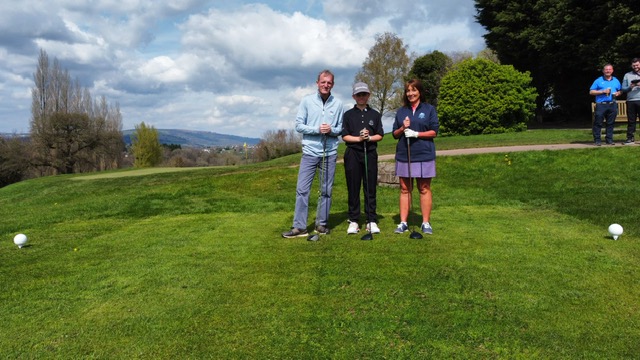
(416, 121)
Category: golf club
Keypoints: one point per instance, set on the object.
(368, 235)
(414, 234)
(316, 236)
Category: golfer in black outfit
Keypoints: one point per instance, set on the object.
(361, 128)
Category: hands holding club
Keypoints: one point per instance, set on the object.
(408, 132)
(325, 129)
(364, 135)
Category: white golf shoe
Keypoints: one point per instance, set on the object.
(353, 228)
(373, 228)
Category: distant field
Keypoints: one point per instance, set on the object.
(134, 172)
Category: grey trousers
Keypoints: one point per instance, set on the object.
(309, 165)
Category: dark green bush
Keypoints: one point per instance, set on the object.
(14, 160)
(481, 97)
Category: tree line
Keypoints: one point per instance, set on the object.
(557, 47)
(563, 44)
(473, 95)
(70, 131)
(541, 57)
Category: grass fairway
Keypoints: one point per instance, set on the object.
(133, 172)
(190, 264)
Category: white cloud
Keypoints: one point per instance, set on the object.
(163, 69)
(256, 36)
(241, 100)
(231, 67)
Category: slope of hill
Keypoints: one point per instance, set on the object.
(191, 263)
(193, 138)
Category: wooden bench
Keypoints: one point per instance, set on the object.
(622, 111)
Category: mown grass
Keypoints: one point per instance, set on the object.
(530, 137)
(191, 264)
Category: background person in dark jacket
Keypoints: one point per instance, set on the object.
(416, 121)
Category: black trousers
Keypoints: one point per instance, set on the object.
(354, 168)
(633, 112)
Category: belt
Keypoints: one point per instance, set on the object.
(607, 102)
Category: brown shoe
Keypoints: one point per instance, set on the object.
(294, 232)
(321, 229)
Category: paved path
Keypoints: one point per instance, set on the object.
(506, 149)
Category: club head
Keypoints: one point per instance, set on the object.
(367, 236)
(415, 235)
(314, 237)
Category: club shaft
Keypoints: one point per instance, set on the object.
(366, 180)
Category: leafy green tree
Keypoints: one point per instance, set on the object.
(146, 146)
(383, 70)
(562, 43)
(481, 97)
(430, 69)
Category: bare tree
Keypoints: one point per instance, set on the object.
(459, 56)
(40, 93)
(489, 54)
(69, 131)
(107, 127)
(64, 141)
(275, 144)
(384, 71)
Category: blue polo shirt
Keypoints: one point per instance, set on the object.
(601, 84)
(424, 118)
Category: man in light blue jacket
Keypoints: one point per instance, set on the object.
(319, 120)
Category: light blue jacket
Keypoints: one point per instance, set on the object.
(311, 114)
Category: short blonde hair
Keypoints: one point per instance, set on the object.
(326, 72)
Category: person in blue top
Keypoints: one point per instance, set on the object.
(416, 125)
(605, 88)
(319, 120)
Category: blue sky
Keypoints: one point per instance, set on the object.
(231, 67)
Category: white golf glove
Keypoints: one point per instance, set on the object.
(410, 133)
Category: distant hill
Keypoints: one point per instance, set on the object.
(185, 138)
(192, 138)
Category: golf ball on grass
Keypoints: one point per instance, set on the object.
(615, 230)
(20, 240)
